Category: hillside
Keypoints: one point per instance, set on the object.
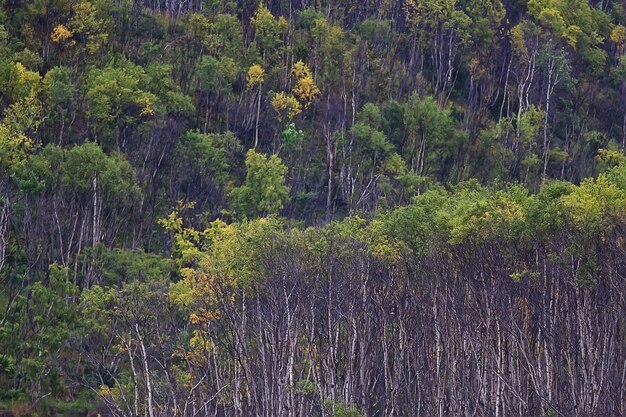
(312, 208)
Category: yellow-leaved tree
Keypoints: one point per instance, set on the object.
(254, 82)
(618, 37)
(21, 118)
(62, 35)
(305, 89)
(219, 266)
(286, 106)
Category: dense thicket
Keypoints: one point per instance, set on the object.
(478, 302)
(161, 160)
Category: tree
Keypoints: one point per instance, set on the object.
(427, 255)
(88, 26)
(264, 191)
(557, 68)
(61, 99)
(445, 29)
(328, 51)
(122, 97)
(215, 79)
(304, 89)
(366, 159)
(116, 101)
(581, 26)
(254, 81)
(432, 140)
(268, 32)
(286, 106)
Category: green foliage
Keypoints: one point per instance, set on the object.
(341, 409)
(226, 36)
(292, 137)
(329, 46)
(115, 97)
(43, 345)
(371, 140)
(158, 80)
(215, 75)
(213, 155)
(222, 259)
(18, 81)
(304, 386)
(431, 136)
(581, 26)
(595, 204)
(610, 158)
(20, 119)
(618, 73)
(125, 95)
(120, 265)
(60, 91)
(268, 30)
(89, 25)
(114, 176)
(264, 191)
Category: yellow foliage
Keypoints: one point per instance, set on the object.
(618, 36)
(20, 118)
(198, 26)
(204, 316)
(200, 344)
(268, 28)
(173, 222)
(146, 106)
(224, 261)
(610, 157)
(283, 25)
(105, 391)
(482, 222)
(25, 76)
(61, 34)
(518, 42)
(305, 89)
(15, 147)
(571, 35)
(286, 106)
(86, 22)
(186, 239)
(146, 111)
(300, 70)
(594, 201)
(380, 245)
(551, 17)
(200, 341)
(256, 76)
(262, 16)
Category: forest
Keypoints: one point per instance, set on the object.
(322, 208)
